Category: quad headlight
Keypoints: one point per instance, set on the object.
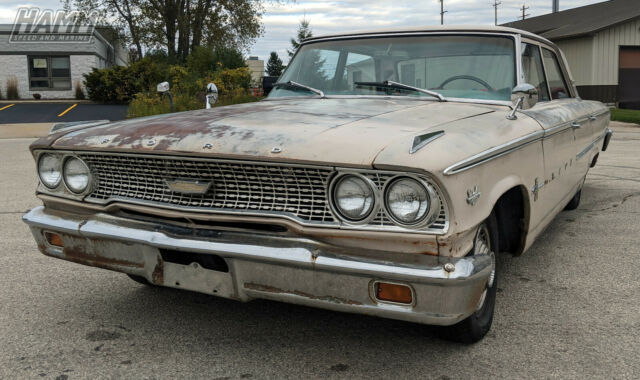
(49, 170)
(410, 201)
(353, 197)
(76, 175)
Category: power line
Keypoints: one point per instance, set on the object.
(495, 6)
(524, 9)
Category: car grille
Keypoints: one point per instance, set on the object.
(298, 192)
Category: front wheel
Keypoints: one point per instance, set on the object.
(476, 326)
(574, 202)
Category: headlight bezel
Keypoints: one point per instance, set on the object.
(434, 202)
(65, 160)
(59, 165)
(335, 209)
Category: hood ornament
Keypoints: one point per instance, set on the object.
(421, 140)
(276, 149)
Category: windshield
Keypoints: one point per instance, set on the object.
(460, 66)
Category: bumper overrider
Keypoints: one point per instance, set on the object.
(245, 266)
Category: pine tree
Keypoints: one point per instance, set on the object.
(274, 65)
(304, 31)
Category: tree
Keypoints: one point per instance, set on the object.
(179, 26)
(204, 59)
(274, 65)
(304, 32)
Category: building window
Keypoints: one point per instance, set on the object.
(49, 73)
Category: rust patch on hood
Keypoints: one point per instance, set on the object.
(304, 130)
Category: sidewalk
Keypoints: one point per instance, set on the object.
(24, 130)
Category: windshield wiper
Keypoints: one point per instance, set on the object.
(299, 85)
(391, 84)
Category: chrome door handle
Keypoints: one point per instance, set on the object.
(575, 125)
(592, 118)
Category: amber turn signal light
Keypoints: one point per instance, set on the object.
(394, 293)
(54, 239)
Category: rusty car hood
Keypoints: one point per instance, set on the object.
(349, 132)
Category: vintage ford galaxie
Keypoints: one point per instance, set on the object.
(381, 176)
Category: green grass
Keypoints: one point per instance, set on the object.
(627, 116)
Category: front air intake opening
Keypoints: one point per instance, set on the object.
(205, 260)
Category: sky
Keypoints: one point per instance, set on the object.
(281, 20)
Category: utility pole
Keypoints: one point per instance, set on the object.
(495, 6)
(524, 9)
(442, 12)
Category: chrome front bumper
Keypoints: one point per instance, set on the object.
(288, 269)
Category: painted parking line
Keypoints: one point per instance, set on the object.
(5, 107)
(67, 110)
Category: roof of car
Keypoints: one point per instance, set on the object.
(435, 28)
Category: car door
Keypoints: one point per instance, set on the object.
(581, 111)
(556, 113)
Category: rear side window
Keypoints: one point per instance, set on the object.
(533, 71)
(557, 84)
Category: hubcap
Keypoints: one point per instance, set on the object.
(482, 246)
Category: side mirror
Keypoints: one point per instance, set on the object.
(526, 91)
(523, 96)
(212, 95)
(163, 87)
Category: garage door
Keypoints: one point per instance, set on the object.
(629, 77)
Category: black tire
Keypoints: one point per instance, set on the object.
(574, 202)
(476, 326)
(139, 279)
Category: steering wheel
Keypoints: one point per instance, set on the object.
(469, 77)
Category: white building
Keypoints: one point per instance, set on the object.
(256, 67)
(52, 68)
(602, 45)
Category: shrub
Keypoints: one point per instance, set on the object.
(37, 96)
(119, 84)
(12, 88)
(152, 103)
(79, 91)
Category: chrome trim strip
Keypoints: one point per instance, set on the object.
(590, 146)
(557, 129)
(493, 153)
(505, 103)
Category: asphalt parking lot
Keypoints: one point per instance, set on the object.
(568, 308)
(11, 113)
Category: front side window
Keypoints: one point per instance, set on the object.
(460, 66)
(533, 71)
(49, 72)
(557, 84)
